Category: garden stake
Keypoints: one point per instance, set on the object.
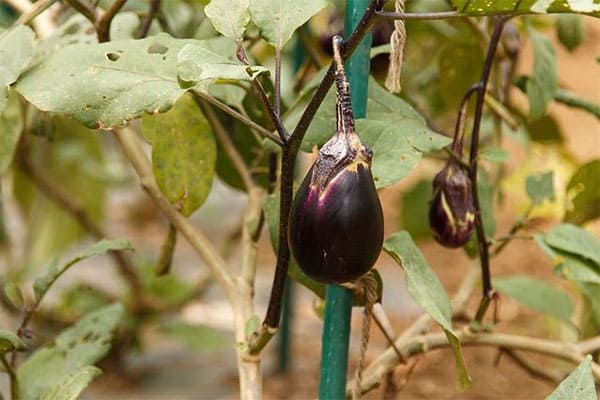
(338, 308)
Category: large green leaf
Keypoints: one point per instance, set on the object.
(278, 19)
(72, 385)
(183, 153)
(83, 344)
(415, 210)
(570, 31)
(229, 17)
(43, 283)
(104, 85)
(426, 289)
(575, 240)
(395, 132)
(11, 125)
(583, 194)
(483, 7)
(537, 295)
(543, 83)
(16, 47)
(578, 385)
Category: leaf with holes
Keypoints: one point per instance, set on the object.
(83, 344)
(278, 19)
(578, 385)
(183, 153)
(395, 132)
(426, 289)
(107, 84)
(229, 17)
(16, 48)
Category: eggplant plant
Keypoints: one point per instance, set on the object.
(129, 127)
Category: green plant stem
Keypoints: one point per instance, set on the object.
(482, 244)
(14, 383)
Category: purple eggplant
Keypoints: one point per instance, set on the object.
(451, 212)
(336, 220)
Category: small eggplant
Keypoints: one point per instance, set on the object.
(451, 212)
(336, 220)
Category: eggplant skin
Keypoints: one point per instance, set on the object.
(336, 233)
(451, 212)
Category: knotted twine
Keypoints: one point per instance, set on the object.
(397, 41)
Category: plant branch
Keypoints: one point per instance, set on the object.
(227, 144)
(14, 383)
(147, 21)
(34, 13)
(133, 149)
(64, 200)
(102, 24)
(589, 346)
(273, 112)
(84, 9)
(482, 243)
(424, 343)
(240, 117)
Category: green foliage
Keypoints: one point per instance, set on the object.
(583, 194)
(415, 210)
(229, 17)
(494, 154)
(543, 83)
(278, 19)
(426, 289)
(483, 7)
(540, 187)
(16, 46)
(574, 240)
(578, 385)
(10, 342)
(196, 337)
(71, 386)
(395, 132)
(570, 30)
(537, 295)
(11, 126)
(14, 295)
(183, 153)
(62, 367)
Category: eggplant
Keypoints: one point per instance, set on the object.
(452, 212)
(336, 220)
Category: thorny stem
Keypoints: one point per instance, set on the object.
(147, 21)
(288, 158)
(482, 243)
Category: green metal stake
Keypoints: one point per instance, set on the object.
(338, 307)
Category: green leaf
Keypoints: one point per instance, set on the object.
(183, 153)
(11, 126)
(72, 385)
(495, 154)
(104, 85)
(278, 19)
(13, 294)
(16, 48)
(43, 283)
(537, 295)
(10, 342)
(542, 85)
(196, 337)
(570, 30)
(576, 268)
(426, 289)
(271, 209)
(575, 240)
(395, 132)
(415, 210)
(486, 7)
(583, 194)
(229, 17)
(540, 187)
(202, 63)
(83, 344)
(578, 385)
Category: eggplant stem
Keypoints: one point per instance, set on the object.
(344, 117)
